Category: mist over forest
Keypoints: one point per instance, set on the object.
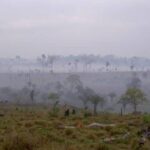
(74, 75)
(31, 81)
(74, 63)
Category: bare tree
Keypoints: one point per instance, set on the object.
(107, 64)
(112, 95)
(124, 101)
(84, 95)
(50, 60)
(73, 81)
(43, 61)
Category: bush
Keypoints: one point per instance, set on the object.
(68, 132)
(87, 114)
(54, 113)
(134, 143)
(19, 142)
(146, 118)
(102, 146)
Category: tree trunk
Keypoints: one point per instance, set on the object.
(135, 108)
(95, 109)
(85, 105)
(124, 109)
(121, 112)
(52, 68)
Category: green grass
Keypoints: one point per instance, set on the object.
(34, 128)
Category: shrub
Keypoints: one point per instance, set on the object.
(92, 136)
(68, 132)
(19, 142)
(87, 114)
(102, 146)
(146, 118)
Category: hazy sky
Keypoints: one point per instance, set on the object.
(33, 27)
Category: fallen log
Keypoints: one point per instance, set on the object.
(100, 125)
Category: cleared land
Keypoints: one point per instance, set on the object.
(36, 128)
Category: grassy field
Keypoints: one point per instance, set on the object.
(36, 128)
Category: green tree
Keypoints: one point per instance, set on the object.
(135, 97)
(95, 100)
(54, 97)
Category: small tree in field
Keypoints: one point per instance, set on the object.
(83, 95)
(88, 95)
(124, 101)
(135, 97)
(73, 81)
(54, 97)
(112, 95)
(95, 100)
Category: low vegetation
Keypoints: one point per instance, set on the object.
(36, 128)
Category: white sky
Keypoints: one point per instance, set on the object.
(32, 27)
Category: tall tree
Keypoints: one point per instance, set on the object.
(32, 95)
(107, 64)
(42, 60)
(50, 60)
(76, 62)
